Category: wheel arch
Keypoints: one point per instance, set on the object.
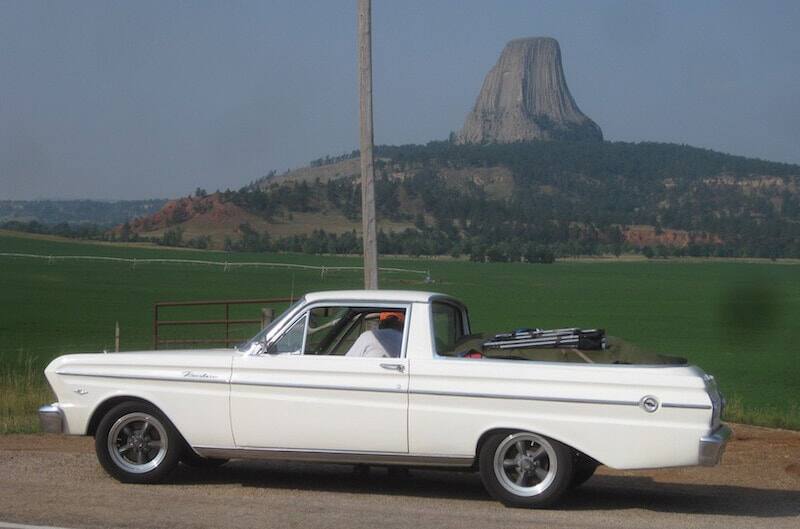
(485, 436)
(106, 406)
(511, 429)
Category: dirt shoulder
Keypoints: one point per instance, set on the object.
(55, 480)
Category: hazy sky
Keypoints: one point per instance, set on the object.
(143, 99)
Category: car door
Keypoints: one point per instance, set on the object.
(286, 399)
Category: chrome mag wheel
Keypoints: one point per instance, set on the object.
(525, 464)
(137, 442)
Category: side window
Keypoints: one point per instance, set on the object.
(324, 325)
(292, 339)
(447, 327)
(349, 336)
(355, 331)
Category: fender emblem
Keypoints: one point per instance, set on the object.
(649, 403)
(192, 374)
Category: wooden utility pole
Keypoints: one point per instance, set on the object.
(369, 231)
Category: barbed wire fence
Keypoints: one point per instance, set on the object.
(226, 265)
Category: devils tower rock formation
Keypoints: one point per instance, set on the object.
(525, 97)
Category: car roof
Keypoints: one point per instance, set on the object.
(401, 296)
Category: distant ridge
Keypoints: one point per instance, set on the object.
(100, 212)
(508, 201)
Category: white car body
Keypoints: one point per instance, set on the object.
(418, 409)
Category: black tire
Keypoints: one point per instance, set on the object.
(192, 459)
(583, 468)
(398, 472)
(546, 473)
(155, 446)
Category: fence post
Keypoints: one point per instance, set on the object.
(155, 326)
(227, 324)
(267, 315)
(116, 337)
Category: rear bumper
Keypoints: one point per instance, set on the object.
(712, 446)
(51, 419)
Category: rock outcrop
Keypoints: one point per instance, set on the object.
(525, 97)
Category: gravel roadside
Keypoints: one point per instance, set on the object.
(55, 480)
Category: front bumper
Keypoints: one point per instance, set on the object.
(712, 446)
(51, 419)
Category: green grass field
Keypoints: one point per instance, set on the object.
(736, 320)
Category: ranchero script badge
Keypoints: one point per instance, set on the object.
(192, 374)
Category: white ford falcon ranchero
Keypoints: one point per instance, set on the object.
(388, 378)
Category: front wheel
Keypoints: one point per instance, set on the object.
(192, 459)
(583, 469)
(136, 443)
(524, 469)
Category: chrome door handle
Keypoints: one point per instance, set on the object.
(394, 367)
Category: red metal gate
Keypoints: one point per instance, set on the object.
(225, 320)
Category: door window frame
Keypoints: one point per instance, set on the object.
(305, 311)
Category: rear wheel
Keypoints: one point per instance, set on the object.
(136, 443)
(524, 469)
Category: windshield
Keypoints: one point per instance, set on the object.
(262, 335)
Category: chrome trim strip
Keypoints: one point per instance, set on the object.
(316, 386)
(388, 390)
(335, 456)
(442, 393)
(140, 377)
(225, 381)
(521, 397)
(687, 406)
(555, 399)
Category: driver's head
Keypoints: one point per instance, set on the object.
(391, 320)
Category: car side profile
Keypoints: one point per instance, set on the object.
(404, 371)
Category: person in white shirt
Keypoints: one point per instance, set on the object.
(384, 342)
